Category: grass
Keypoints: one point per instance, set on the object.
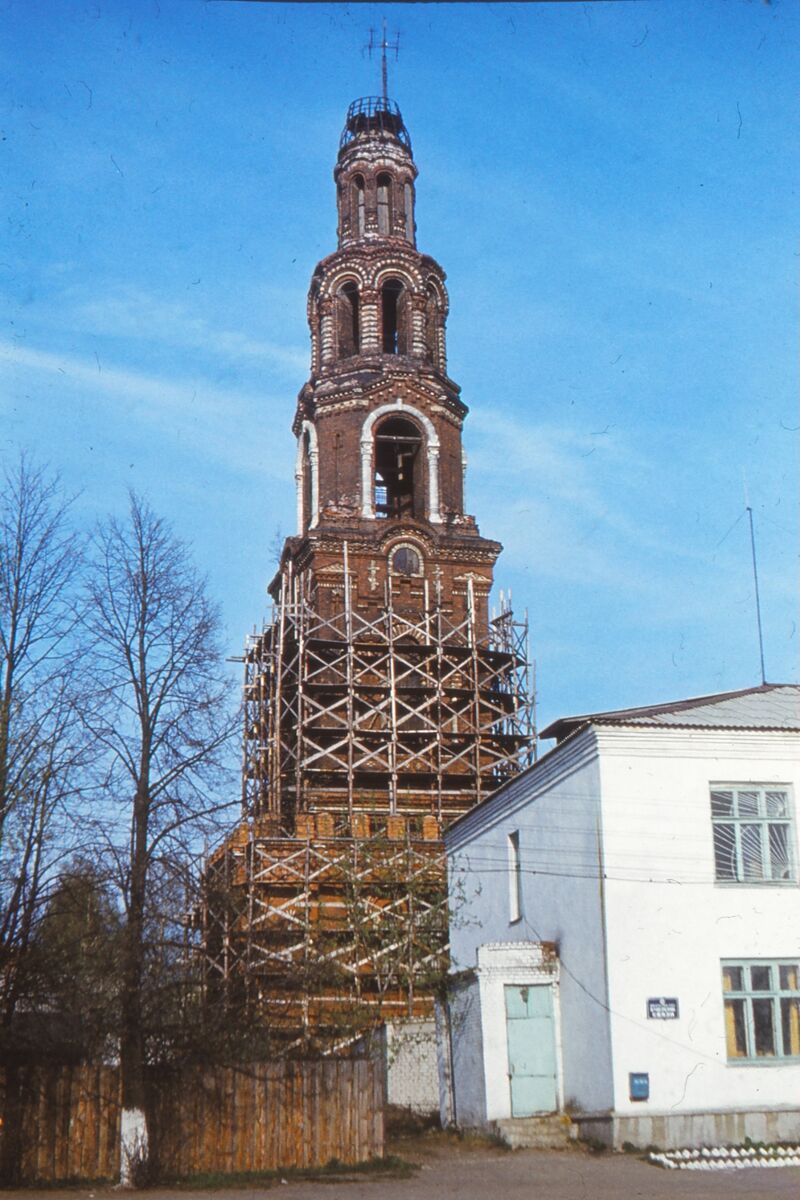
(389, 1167)
(414, 1133)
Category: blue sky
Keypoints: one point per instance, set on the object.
(611, 189)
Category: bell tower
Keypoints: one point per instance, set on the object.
(380, 461)
(383, 700)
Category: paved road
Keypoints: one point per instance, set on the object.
(453, 1171)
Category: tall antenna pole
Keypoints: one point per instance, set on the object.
(755, 581)
(383, 45)
(384, 69)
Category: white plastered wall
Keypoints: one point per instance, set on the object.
(669, 923)
(555, 810)
(463, 1034)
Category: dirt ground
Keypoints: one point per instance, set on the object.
(450, 1168)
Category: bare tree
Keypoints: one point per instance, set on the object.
(41, 743)
(161, 714)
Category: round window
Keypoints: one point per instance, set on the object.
(406, 561)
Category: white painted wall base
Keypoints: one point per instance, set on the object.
(133, 1145)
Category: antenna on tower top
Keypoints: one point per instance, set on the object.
(755, 579)
(383, 45)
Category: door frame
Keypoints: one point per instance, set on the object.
(551, 987)
(518, 964)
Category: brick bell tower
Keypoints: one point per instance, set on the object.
(380, 461)
(382, 701)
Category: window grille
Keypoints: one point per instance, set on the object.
(752, 834)
(762, 1009)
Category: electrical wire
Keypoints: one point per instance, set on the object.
(642, 1026)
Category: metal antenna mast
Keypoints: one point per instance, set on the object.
(755, 580)
(383, 46)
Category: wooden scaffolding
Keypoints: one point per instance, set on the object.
(365, 734)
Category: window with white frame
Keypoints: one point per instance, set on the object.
(762, 1009)
(752, 833)
(514, 878)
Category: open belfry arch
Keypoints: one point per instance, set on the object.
(382, 700)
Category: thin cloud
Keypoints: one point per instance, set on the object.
(206, 417)
(136, 314)
(558, 519)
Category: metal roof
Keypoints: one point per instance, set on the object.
(770, 706)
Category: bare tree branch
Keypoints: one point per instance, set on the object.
(162, 715)
(42, 746)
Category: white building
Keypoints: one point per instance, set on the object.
(626, 929)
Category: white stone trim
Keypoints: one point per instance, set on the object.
(431, 448)
(299, 472)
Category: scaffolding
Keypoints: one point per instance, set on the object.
(321, 938)
(365, 734)
(396, 712)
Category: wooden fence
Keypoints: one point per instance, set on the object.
(62, 1123)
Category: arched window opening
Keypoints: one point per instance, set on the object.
(384, 204)
(432, 327)
(408, 197)
(358, 205)
(307, 497)
(405, 561)
(347, 320)
(394, 315)
(398, 469)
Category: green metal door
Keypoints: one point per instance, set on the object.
(531, 1049)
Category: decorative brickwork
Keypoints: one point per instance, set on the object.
(382, 701)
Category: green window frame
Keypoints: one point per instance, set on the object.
(753, 833)
(761, 999)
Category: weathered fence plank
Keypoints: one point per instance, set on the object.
(62, 1123)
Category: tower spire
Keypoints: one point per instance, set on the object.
(383, 46)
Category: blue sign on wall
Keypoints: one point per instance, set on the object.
(639, 1085)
